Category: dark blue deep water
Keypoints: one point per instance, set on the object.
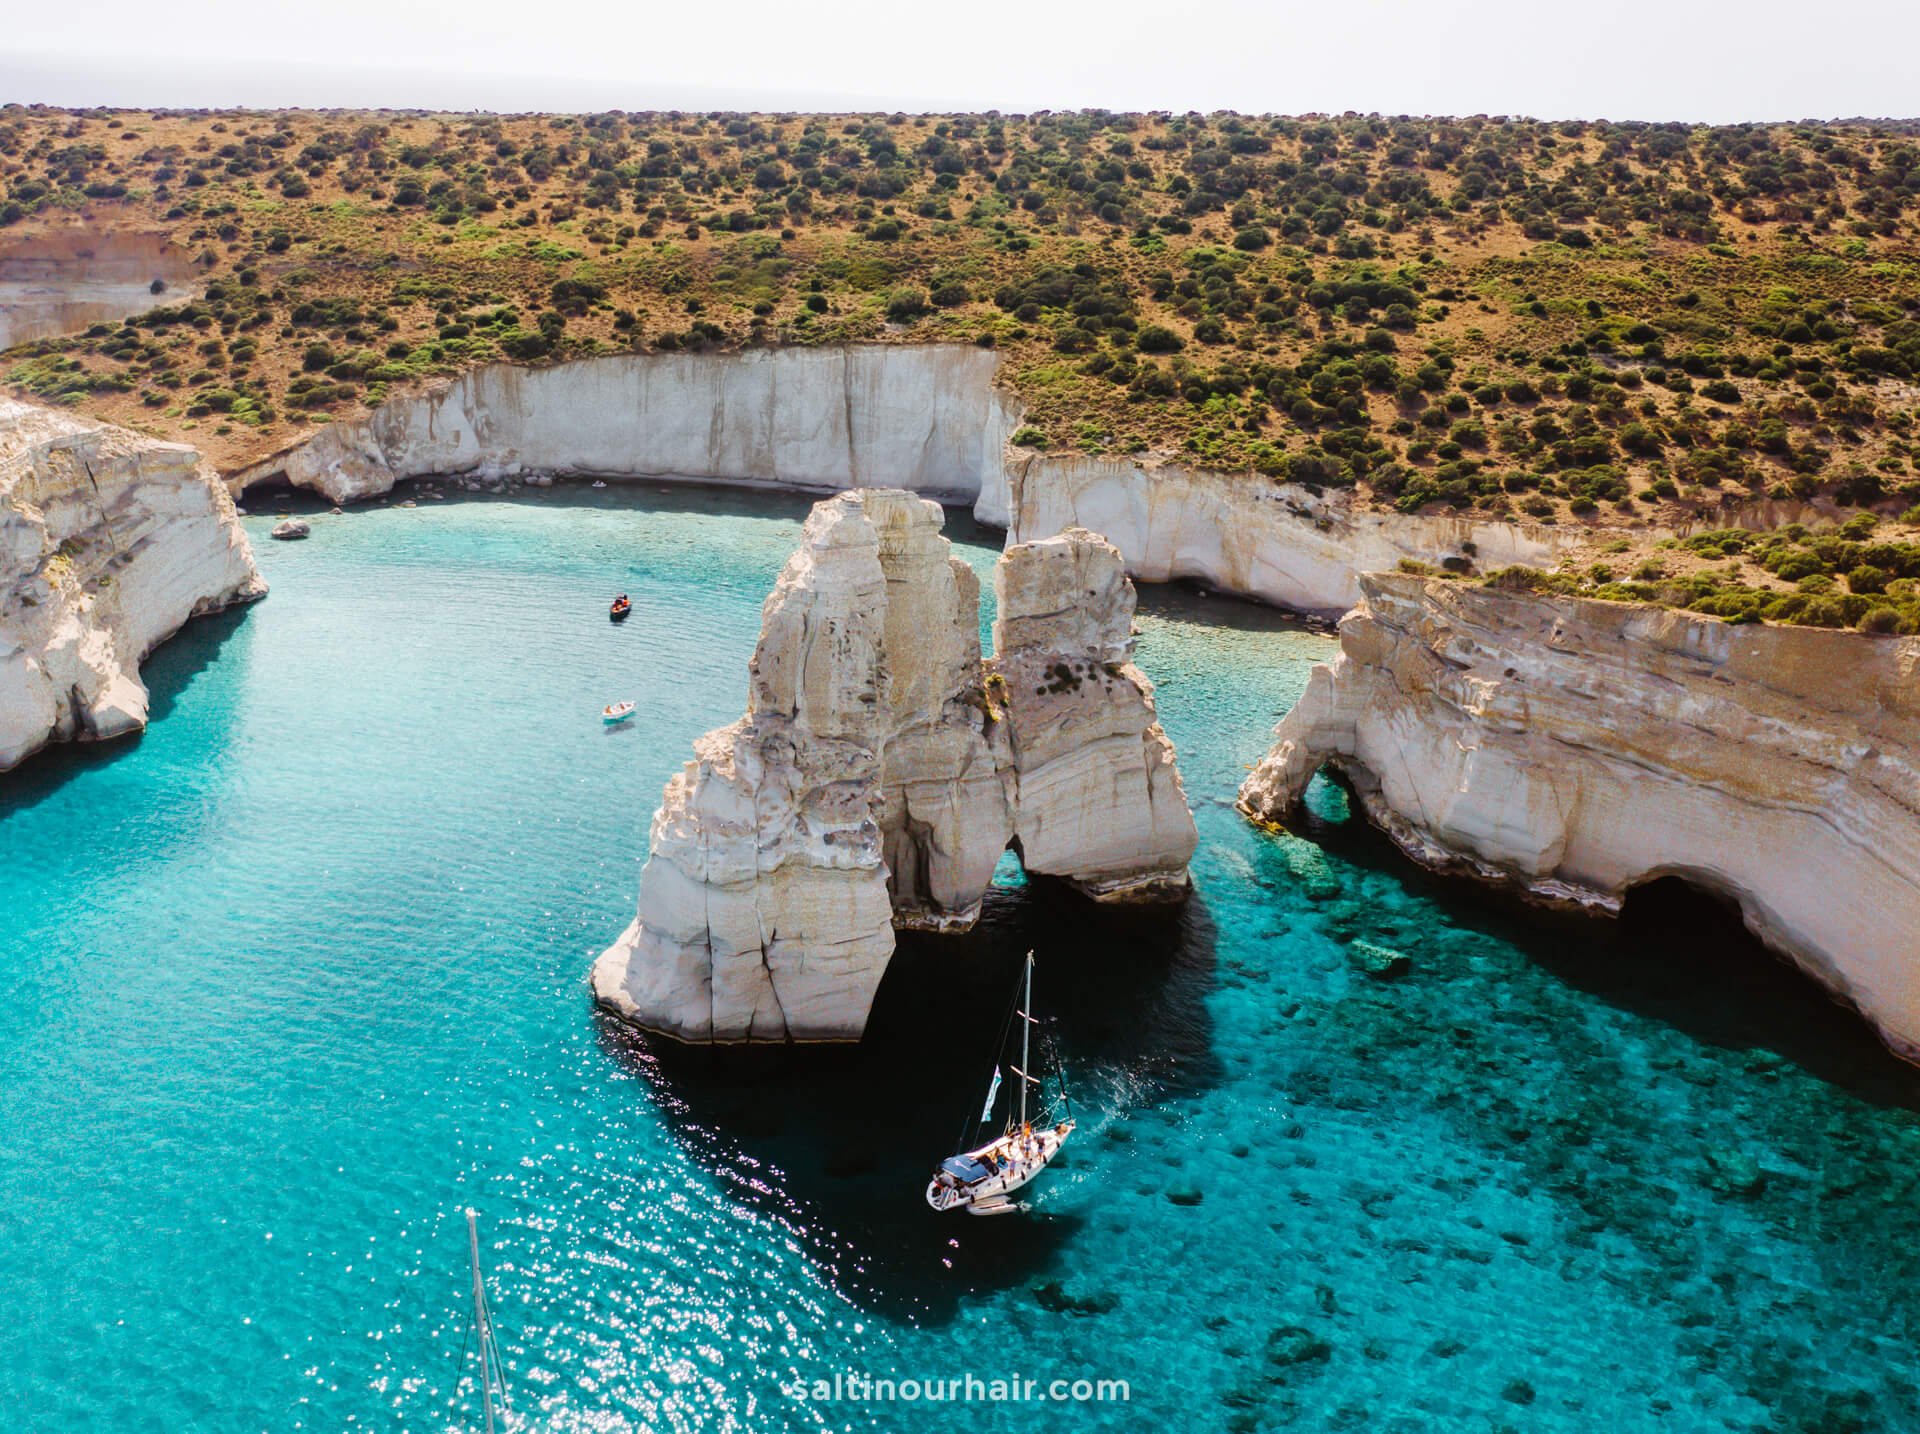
(294, 978)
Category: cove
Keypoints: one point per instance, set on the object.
(299, 973)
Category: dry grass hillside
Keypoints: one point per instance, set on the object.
(1623, 328)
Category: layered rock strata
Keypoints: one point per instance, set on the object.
(1575, 749)
(108, 543)
(882, 769)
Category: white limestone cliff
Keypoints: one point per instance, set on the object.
(1246, 534)
(109, 542)
(1574, 749)
(60, 279)
(927, 417)
(882, 770)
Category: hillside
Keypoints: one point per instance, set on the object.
(1605, 325)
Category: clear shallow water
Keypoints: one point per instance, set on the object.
(299, 974)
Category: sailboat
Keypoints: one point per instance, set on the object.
(979, 1180)
(493, 1377)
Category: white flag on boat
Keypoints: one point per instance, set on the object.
(986, 1111)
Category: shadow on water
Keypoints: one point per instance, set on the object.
(169, 671)
(837, 1143)
(1677, 954)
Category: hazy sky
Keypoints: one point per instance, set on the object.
(1619, 59)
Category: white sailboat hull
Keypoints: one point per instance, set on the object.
(1009, 1163)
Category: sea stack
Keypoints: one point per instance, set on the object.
(1097, 796)
(882, 769)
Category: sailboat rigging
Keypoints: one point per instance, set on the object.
(493, 1377)
(980, 1179)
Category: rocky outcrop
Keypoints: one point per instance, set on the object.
(108, 543)
(1246, 534)
(882, 770)
(926, 417)
(1574, 749)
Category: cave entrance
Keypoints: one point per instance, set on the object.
(1681, 951)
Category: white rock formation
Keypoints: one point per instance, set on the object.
(943, 813)
(1575, 749)
(927, 417)
(877, 779)
(1243, 533)
(923, 416)
(763, 905)
(108, 543)
(1097, 798)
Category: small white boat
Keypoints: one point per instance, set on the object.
(981, 1179)
(616, 712)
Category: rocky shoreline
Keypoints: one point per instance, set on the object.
(1571, 750)
(929, 418)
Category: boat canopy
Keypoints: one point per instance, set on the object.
(965, 1169)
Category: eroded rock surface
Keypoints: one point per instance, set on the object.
(108, 543)
(1097, 797)
(882, 770)
(1575, 749)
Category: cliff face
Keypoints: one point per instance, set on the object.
(97, 568)
(881, 771)
(925, 417)
(1246, 534)
(1575, 749)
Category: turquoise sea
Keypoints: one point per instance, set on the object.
(292, 979)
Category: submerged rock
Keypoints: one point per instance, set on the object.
(1735, 1172)
(1294, 1344)
(1056, 1298)
(1380, 962)
(882, 770)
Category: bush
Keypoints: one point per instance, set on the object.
(906, 303)
(1028, 437)
(1156, 339)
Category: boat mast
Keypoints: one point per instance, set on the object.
(1026, 1034)
(482, 1328)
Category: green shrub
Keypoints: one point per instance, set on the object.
(906, 303)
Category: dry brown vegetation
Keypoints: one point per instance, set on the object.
(1609, 325)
